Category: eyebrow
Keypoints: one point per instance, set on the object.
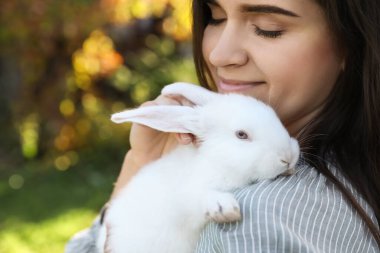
(267, 9)
(270, 9)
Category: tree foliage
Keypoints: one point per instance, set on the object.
(65, 66)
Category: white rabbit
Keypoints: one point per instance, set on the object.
(165, 206)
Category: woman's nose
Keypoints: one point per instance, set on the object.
(228, 49)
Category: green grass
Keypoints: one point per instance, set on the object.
(52, 205)
(49, 235)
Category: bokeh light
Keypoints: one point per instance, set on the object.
(97, 56)
(16, 181)
(177, 25)
(29, 134)
(67, 107)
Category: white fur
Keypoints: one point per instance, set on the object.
(165, 206)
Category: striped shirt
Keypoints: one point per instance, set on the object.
(299, 213)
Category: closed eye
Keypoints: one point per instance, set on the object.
(267, 33)
(216, 14)
(216, 22)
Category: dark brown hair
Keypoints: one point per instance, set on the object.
(348, 128)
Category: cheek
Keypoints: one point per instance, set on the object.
(302, 76)
(210, 38)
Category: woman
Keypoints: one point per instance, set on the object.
(318, 64)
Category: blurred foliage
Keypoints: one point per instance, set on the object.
(65, 67)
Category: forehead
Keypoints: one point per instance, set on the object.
(297, 7)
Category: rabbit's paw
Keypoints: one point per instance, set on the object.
(222, 207)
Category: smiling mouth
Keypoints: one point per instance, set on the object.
(236, 86)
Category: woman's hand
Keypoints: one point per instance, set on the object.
(148, 144)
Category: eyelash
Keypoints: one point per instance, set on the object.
(258, 31)
(215, 22)
(268, 34)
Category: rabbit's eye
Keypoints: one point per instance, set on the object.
(242, 135)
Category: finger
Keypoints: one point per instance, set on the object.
(165, 100)
(148, 103)
(185, 139)
(169, 100)
(180, 99)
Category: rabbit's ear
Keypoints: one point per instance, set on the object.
(196, 94)
(165, 118)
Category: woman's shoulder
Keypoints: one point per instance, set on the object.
(304, 193)
(298, 213)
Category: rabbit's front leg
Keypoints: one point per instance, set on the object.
(221, 207)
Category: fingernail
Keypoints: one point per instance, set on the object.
(186, 138)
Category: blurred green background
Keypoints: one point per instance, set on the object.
(65, 67)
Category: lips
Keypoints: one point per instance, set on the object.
(236, 85)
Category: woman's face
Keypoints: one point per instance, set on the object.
(281, 52)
